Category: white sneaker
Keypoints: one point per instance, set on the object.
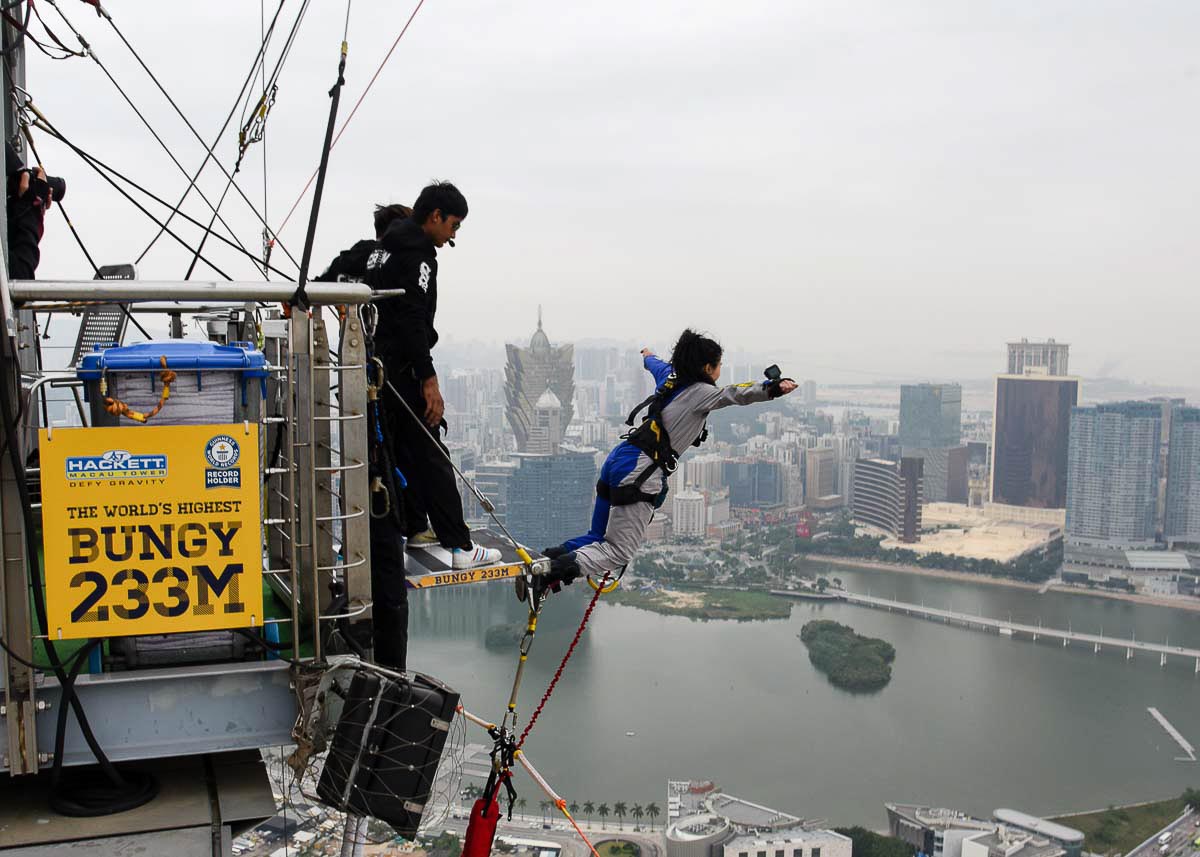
(461, 558)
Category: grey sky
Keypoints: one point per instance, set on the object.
(894, 188)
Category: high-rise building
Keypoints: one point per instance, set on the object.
(1168, 406)
(930, 415)
(689, 516)
(1037, 358)
(1112, 474)
(945, 472)
(809, 392)
(529, 373)
(704, 472)
(931, 429)
(887, 496)
(1030, 435)
(979, 470)
(550, 496)
(1182, 519)
(492, 478)
(820, 476)
(755, 484)
(546, 433)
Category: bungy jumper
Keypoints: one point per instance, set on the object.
(186, 574)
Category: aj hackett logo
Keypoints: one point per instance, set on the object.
(223, 452)
(116, 465)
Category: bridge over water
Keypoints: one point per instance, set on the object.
(1010, 629)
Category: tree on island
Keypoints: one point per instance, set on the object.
(850, 660)
(619, 810)
(653, 811)
(603, 811)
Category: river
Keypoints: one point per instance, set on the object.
(969, 720)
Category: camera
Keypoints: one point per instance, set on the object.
(773, 372)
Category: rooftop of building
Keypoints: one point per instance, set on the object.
(793, 835)
(743, 813)
(1006, 843)
(939, 818)
(693, 827)
(972, 532)
(1040, 826)
(1126, 558)
(1130, 408)
(1035, 375)
(687, 797)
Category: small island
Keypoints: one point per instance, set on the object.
(849, 660)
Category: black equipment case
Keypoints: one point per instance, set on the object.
(386, 747)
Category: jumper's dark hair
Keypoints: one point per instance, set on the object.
(441, 196)
(385, 214)
(692, 353)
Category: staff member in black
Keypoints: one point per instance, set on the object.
(350, 266)
(407, 259)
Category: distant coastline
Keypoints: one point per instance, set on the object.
(1192, 605)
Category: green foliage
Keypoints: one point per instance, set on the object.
(445, 845)
(718, 604)
(1191, 797)
(869, 844)
(1120, 830)
(851, 661)
(618, 848)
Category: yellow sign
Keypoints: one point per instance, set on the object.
(151, 530)
(470, 575)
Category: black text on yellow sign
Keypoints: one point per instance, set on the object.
(471, 575)
(151, 530)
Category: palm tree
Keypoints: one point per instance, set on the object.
(619, 810)
(603, 812)
(521, 804)
(638, 814)
(543, 804)
(653, 811)
(589, 808)
(574, 808)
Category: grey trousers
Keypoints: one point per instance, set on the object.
(624, 535)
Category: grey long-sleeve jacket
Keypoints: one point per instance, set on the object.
(683, 417)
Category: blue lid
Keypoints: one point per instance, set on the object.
(182, 355)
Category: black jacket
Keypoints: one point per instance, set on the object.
(405, 259)
(350, 266)
(25, 225)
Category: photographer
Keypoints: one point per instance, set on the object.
(30, 193)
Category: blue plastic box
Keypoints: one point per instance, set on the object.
(214, 383)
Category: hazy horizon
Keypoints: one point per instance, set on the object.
(882, 189)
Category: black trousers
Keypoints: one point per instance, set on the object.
(432, 498)
(389, 614)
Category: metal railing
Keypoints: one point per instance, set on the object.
(314, 513)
